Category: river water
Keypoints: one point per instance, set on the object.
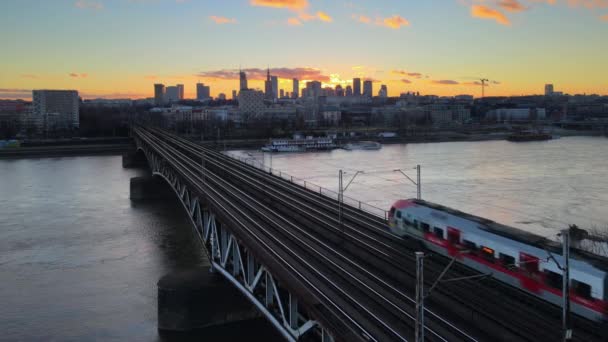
(79, 261)
(536, 186)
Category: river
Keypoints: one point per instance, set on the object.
(79, 261)
(536, 186)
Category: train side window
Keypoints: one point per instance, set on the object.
(553, 279)
(425, 227)
(416, 224)
(581, 289)
(398, 215)
(507, 260)
(406, 221)
(470, 245)
(438, 232)
(528, 263)
(487, 253)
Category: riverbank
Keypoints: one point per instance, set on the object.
(433, 137)
(63, 150)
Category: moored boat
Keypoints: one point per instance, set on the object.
(363, 145)
(300, 145)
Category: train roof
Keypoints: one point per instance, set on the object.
(516, 234)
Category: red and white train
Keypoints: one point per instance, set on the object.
(513, 256)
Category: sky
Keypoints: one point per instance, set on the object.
(120, 48)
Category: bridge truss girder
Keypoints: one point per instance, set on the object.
(232, 259)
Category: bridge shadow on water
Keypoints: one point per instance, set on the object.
(181, 250)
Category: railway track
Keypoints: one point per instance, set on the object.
(369, 256)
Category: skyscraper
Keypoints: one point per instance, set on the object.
(243, 79)
(349, 91)
(339, 90)
(368, 89)
(281, 93)
(234, 94)
(548, 89)
(383, 92)
(202, 92)
(313, 89)
(296, 88)
(275, 87)
(180, 91)
(357, 86)
(268, 86)
(159, 94)
(172, 94)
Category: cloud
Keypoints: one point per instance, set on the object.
(289, 4)
(407, 73)
(31, 76)
(324, 17)
(11, 93)
(294, 22)
(222, 20)
(75, 75)
(512, 6)
(445, 82)
(485, 12)
(604, 17)
(406, 81)
(303, 16)
(395, 22)
(362, 18)
(89, 4)
(302, 73)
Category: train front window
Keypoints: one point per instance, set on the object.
(581, 289)
(425, 227)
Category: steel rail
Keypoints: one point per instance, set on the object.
(300, 207)
(342, 257)
(285, 247)
(273, 179)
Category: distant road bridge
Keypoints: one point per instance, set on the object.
(315, 277)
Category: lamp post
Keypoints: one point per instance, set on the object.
(565, 233)
(419, 329)
(341, 189)
(417, 183)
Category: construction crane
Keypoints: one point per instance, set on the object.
(483, 87)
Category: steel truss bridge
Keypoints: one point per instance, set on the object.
(315, 277)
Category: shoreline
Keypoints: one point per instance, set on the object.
(414, 139)
(63, 151)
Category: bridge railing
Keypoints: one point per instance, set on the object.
(371, 209)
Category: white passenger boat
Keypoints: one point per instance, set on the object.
(363, 145)
(300, 145)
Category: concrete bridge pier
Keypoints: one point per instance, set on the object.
(197, 299)
(134, 159)
(149, 188)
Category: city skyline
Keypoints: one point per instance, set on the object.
(123, 47)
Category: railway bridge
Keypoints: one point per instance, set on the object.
(317, 277)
